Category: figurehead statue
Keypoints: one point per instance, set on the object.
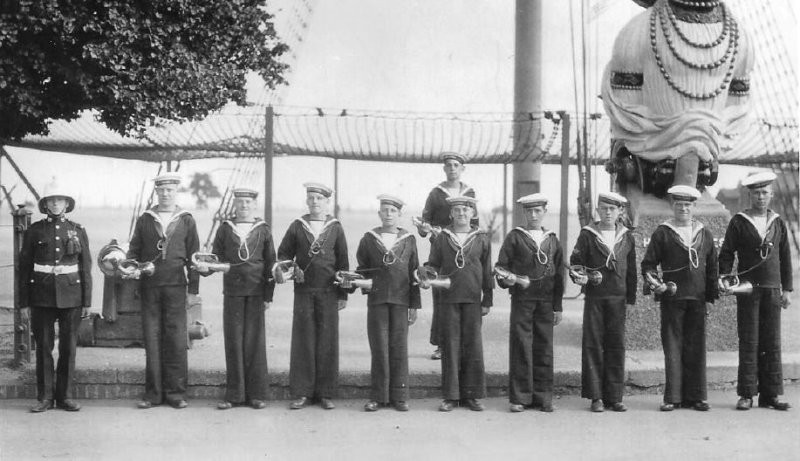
(676, 92)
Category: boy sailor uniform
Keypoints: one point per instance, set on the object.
(692, 266)
(765, 261)
(314, 362)
(532, 313)
(249, 249)
(603, 345)
(168, 245)
(467, 263)
(393, 293)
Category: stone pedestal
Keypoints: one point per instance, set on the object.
(643, 327)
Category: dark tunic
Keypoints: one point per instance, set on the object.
(55, 282)
(767, 264)
(683, 315)
(246, 286)
(437, 213)
(393, 293)
(530, 373)
(169, 246)
(603, 344)
(468, 265)
(314, 357)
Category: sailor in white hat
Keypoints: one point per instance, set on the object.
(759, 238)
(607, 248)
(317, 245)
(245, 242)
(436, 216)
(387, 255)
(56, 287)
(532, 252)
(166, 236)
(463, 253)
(684, 250)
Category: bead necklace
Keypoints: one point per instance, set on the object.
(698, 4)
(674, 85)
(732, 47)
(727, 22)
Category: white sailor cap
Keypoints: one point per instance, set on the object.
(167, 178)
(319, 188)
(682, 192)
(532, 200)
(460, 158)
(461, 200)
(391, 200)
(754, 181)
(245, 192)
(612, 198)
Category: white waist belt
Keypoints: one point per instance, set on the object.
(60, 269)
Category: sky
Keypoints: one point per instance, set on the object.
(418, 55)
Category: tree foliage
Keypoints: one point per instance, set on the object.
(203, 188)
(135, 62)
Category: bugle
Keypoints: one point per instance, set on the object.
(502, 273)
(658, 285)
(347, 279)
(209, 262)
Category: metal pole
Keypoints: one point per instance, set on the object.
(505, 201)
(24, 179)
(563, 229)
(527, 98)
(336, 188)
(268, 155)
(22, 330)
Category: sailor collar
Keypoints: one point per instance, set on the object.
(545, 234)
(401, 234)
(305, 222)
(463, 188)
(771, 217)
(258, 223)
(619, 230)
(455, 240)
(175, 216)
(697, 227)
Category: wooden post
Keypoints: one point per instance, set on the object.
(22, 329)
(268, 154)
(563, 228)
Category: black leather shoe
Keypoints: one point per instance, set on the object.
(179, 404)
(597, 406)
(774, 403)
(516, 408)
(42, 406)
(744, 403)
(619, 407)
(667, 406)
(474, 404)
(326, 404)
(144, 404)
(371, 406)
(299, 403)
(546, 408)
(447, 405)
(701, 405)
(256, 404)
(224, 405)
(401, 405)
(68, 405)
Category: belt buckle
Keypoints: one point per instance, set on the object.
(58, 270)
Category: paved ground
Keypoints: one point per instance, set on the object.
(106, 430)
